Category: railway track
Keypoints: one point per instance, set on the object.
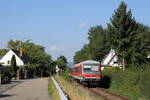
(103, 93)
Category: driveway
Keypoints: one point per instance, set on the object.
(32, 89)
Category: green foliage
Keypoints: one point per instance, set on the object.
(6, 74)
(41, 62)
(96, 48)
(133, 83)
(127, 37)
(112, 69)
(3, 52)
(140, 45)
(13, 44)
(67, 74)
(107, 69)
(14, 66)
(81, 55)
(97, 43)
(61, 62)
(52, 90)
(116, 68)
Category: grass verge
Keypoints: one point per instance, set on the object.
(52, 90)
(74, 92)
(133, 83)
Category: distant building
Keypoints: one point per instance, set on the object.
(21, 59)
(57, 69)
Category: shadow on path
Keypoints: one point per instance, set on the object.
(5, 95)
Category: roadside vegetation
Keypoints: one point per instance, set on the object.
(39, 63)
(52, 90)
(133, 83)
(71, 90)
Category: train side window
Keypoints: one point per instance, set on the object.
(79, 69)
(76, 69)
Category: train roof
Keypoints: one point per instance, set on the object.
(87, 62)
(90, 61)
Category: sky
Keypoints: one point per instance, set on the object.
(61, 26)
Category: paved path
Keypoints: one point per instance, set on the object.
(5, 87)
(33, 89)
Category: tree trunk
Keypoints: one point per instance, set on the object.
(18, 75)
(123, 64)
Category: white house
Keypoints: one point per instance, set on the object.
(110, 59)
(20, 58)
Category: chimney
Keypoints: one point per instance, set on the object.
(21, 52)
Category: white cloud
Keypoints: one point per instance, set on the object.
(54, 48)
(83, 24)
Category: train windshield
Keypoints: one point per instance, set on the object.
(91, 69)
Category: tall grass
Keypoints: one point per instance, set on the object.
(74, 92)
(52, 90)
(134, 82)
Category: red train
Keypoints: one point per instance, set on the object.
(87, 72)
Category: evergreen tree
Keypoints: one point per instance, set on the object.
(97, 43)
(120, 31)
(14, 66)
(126, 36)
(140, 45)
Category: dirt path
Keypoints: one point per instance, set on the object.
(33, 89)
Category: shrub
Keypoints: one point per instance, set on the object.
(6, 74)
(116, 68)
(112, 69)
(66, 74)
(107, 69)
(134, 82)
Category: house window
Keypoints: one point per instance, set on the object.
(115, 62)
(8, 62)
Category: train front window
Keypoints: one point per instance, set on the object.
(91, 69)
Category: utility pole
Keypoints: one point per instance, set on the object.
(0, 77)
(0, 74)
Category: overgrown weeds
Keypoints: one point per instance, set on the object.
(52, 90)
(73, 91)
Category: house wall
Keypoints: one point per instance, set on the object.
(110, 59)
(8, 57)
(113, 62)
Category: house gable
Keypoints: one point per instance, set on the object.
(6, 59)
(110, 59)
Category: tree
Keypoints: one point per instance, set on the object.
(97, 48)
(61, 62)
(125, 36)
(14, 66)
(140, 45)
(13, 44)
(3, 52)
(40, 60)
(81, 55)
